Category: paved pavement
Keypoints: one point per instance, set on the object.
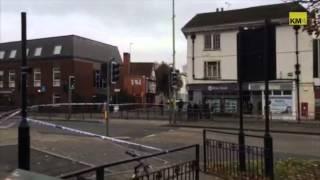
(41, 162)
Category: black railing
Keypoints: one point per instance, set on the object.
(185, 170)
(222, 158)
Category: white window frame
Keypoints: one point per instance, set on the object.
(36, 82)
(12, 83)
(56, 81)
(57, 49)
(215, 41)
(38, 51)
(209, 71)
(2, 54)
(13, 54)
(1, 79)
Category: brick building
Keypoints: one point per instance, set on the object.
(53, 61)
(138, 80)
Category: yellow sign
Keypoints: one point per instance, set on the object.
(298, 18)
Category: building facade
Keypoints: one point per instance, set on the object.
(54, 62)
(212, 62)
(138, 80)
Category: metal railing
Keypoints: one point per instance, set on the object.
(185, 170)
(222, 158)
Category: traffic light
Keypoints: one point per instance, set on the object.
(72, 82)
(174, 78)
(115, 72)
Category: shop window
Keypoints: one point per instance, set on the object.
(287, 92)
(276, 92)
(190, 95)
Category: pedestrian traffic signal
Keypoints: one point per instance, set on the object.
(72, 82)
(115, 72)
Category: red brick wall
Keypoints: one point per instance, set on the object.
(83, 72)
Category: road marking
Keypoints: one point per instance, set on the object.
(151, 135)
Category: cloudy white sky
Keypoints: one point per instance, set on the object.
(145, 23)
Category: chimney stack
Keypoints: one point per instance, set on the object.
(217, 10)
(221, 9)
(126, 62)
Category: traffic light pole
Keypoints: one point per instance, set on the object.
(297, 72)
(24, 129)
(173, 102)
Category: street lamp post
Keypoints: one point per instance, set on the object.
(24, 130)
(268, 142)
(297, 71)
(241, 136)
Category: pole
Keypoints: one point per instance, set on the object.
(268, 144)
(24, 130)
(297, 72)
(69, 98)
(107, 105)
(241, 136)
(173, 61)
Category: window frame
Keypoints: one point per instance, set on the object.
(12, 83)
(211, 74)
(2, 54)
(56, 82)
(36, 82)
(59, 47)
(215, 41)
(13, 54)
(37, 52)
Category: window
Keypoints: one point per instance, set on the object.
(57, 50)
(36, 77)
(212, 41)
(2, 53)
(56, 75)
(12, 79)
(276, 92)
(287, 92)
(27, 53)
(12, 54)
(212, 70)
(207, 41)
(1, 79)
(56, 98)
(216, 41)
(38, 51)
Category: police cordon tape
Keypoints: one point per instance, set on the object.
(92, 104)
(115, 140)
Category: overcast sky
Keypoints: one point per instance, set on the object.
(145, 23)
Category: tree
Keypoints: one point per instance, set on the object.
(163, 79)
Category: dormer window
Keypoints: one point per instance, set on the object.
(12, 54)
(57, 50)
(2, 53)
(38, 51)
